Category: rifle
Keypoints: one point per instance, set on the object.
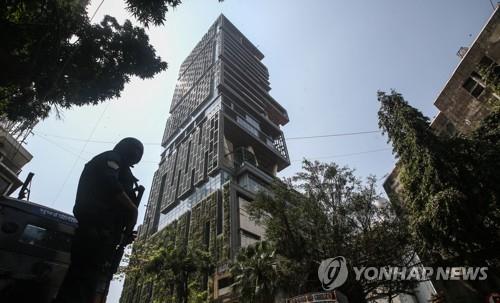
(124, 241)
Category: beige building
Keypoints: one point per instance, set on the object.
(13, 155)
(463, 101)
(462, 104)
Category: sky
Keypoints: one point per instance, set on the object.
(326, 58)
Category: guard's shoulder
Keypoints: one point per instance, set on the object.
(108, 158)
(111, 155)
(112, 159)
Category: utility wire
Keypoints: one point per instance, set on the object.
(79, 155)
(98, 120)
(45, 135)
(345, 155)
(90, 141)
(96, 10)
(158, 144)
(156, 162)
(333, 135)
(68, 150)
(62, 147)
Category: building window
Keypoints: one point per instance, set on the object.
(199, 193)
(206, 236)
(486, 62)
(220, 214)
(162, 189)
(490, 72)
(250, 183)
(224, 286)
(490, 64)
(473, 85)
(225, 282)
(241, 155)
(450, 129)
(248, 238)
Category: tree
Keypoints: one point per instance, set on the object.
(174, 267)
(326, 211)
(52, 56)
(257, 272)
(152, 11)
(451, 186)
(173, 272)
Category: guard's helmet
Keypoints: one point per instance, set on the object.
(130, 150)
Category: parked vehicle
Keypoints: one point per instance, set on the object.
(35, 243)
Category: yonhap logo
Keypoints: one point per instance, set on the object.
(332, 273)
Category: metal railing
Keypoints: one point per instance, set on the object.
(275, 143)
(18, 130)
(325, 297)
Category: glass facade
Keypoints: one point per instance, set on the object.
(222, 136)
(213, 184)
(250, 183)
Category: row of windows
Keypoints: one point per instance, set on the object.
(213, 184)
(250, 183)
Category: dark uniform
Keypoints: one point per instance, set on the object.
(101, 222)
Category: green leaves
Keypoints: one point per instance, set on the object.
(42, 69)
(150, 11)
(451, 186)
(258, 273)
(168, 267)
(327, 211)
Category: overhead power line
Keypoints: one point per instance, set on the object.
(97, 121)
(90, 141)
(96, 10)
(94, 128)
(333, 135)
(158, 144)
(74, 153)
(345, 155)
(156, 162)
(62, 147)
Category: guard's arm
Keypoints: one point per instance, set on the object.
(124, 202)
(118, 196)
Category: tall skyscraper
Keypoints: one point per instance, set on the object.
(222, 144)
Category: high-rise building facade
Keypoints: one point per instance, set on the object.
(222, 144)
